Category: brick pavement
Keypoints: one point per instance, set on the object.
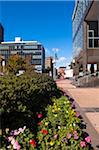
(87, 102)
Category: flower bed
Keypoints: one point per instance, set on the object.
(57, 129)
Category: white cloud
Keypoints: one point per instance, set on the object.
(61, 59)
(55, 49)
(61, 62)
(47, 52)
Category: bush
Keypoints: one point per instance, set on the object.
(24, 95)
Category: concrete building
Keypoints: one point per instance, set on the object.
(1, 33)
(32, 51)
(61, 72)
(85, 22)
(49, 65)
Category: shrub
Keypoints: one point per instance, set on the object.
(24, 95)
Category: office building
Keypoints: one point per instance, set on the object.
(1, 33)
(32, 51)
(85, 22)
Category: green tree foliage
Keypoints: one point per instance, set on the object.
(16, 63)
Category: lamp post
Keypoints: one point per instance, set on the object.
(54, 64)
(3, 66)
(54, 69)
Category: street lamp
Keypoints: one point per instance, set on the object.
(3, 66)
(54, 69)
(54, 63)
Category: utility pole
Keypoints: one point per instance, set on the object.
(54, 64)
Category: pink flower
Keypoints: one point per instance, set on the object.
(10, 138)
(88, 139)
(68, 135)
(77, 114)
(75, 132)
(75, 135)
(21, 130)
(16, 145)
(39, 115)
(55, 136)
(15, 132)
(82, 144)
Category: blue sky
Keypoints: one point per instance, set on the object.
(49, 22)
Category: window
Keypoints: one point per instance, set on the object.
(36, 61)
(36, 56)
(90, 38)
(30, 47)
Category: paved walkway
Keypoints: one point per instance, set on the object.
(87, 102)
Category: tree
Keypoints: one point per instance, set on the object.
(16, 63)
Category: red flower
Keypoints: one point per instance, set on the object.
(39, 123)
(33, 143)
(39, 115)
(44, 131)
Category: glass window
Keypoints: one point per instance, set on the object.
(36, 56)
(30, 47)
(91, 43)
(36, 61)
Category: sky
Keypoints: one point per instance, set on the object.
(48, 22)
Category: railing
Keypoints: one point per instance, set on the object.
(92, 41)
(87, 77)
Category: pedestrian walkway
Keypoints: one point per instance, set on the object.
(87, 102)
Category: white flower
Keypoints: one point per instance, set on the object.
(9, 146)
(74, 124)
(24, 127)
(13, 141)
(59, 127)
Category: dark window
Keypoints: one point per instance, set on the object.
(37, 53)
(93, 25)
(36, 61)
(90, 43)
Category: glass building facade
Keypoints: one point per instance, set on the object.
(78, 25)
(33, 51)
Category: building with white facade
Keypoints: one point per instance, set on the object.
(32, 51)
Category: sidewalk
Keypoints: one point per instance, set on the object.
(87, 102)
